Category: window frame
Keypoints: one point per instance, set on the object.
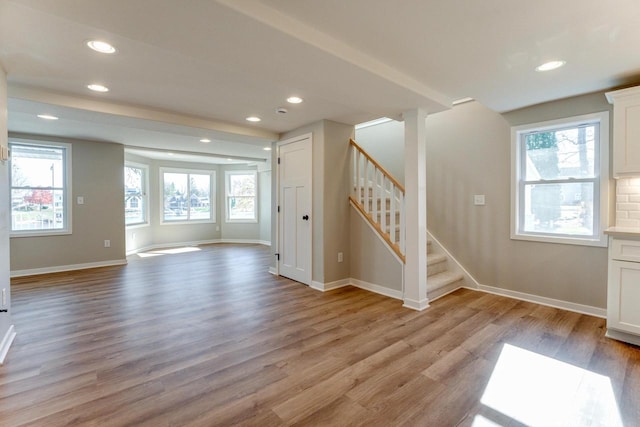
(145, 194)
(227, 195)
(212, 194)
(601, 180)
(67, 161)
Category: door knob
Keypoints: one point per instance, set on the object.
(305, 217)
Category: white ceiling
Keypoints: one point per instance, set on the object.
(187, 70)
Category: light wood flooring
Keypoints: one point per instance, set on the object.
(209, 338)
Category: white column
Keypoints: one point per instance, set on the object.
(415, 182)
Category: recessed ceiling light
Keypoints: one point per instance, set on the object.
(253, 119)
(205, 140)
(267, 148)
(98, 88)
(47, 117)
(100, 46)
(294, 100)
(551, 65)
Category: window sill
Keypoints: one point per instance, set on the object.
(20, 234)
(602, 242)
(139, 225)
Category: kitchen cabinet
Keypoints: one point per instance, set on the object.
(623, 289)
(626, 131)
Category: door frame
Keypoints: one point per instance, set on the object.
(277, 198)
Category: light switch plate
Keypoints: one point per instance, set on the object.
(478, 199)
(80, 200)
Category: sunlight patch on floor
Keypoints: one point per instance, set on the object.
(171, 251)
(537, 390)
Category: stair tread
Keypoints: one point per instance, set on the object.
(433, 258)
(442, 279)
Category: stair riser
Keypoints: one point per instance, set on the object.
(436, 268)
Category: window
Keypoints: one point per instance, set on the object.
(241, 195)
(560, 180)
(135, 194)
(40, 188)
(188, 195)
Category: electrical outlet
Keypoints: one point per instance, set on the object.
(107, 243)
(340, 257)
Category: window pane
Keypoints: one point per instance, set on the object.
(36, 166)
(134, 197)
(242, 208)
(242, 185)
(176, 203)
(37, 209)
(200, 186)
(561, 154)
(559, 208)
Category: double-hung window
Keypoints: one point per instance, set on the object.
(241, 191)
(136, 194)
(560, 180)
(187, 195)
(40, 188)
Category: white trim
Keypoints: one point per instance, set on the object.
(416, 305)
(622, 336)
(551, 302)
(273, 270)
(467, 276)
(324, 287)
(227, 195)
(6, 343)
(378, 289)
(375, 232)
(145, 195)
(375, 122)
(70, 267)
(197, 243)
(213, 194)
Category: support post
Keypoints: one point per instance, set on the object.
(415, 275)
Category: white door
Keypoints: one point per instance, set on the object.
(294, 200)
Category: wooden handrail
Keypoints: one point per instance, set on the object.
(378, 166)
(394, 246)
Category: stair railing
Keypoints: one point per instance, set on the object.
(379, 197)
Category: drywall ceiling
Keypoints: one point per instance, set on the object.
(203, 66)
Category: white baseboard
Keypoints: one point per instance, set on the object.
(378, 289)
(273, 271)
(324, 287)
(196, 243)
(623, 336)
(416, 305)
(556, 303)
(71, 267)
(6, 343)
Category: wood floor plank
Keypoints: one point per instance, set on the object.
(209, 338)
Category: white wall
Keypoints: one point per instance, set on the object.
(5, 318)
(385, 143)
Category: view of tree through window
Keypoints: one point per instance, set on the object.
(241, 195)
(559, 183)
(187, 196)
(38, 184)
(135, 197)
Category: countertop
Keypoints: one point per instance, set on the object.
(623, 231)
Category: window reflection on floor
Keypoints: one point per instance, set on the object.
(535, 390)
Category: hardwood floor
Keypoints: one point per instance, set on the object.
(209, 338)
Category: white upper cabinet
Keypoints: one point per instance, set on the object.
(626, 131)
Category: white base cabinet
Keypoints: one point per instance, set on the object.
(623, 290)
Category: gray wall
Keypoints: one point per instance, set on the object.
(330, 187)
(5, 318)
(385, 143)
(468, 152)
(156, 234)
(97, 175)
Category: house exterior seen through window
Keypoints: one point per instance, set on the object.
(560, 180)
(187, 195)
(135, 194)
(40, 188)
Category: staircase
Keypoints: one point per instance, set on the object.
(379, 198)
